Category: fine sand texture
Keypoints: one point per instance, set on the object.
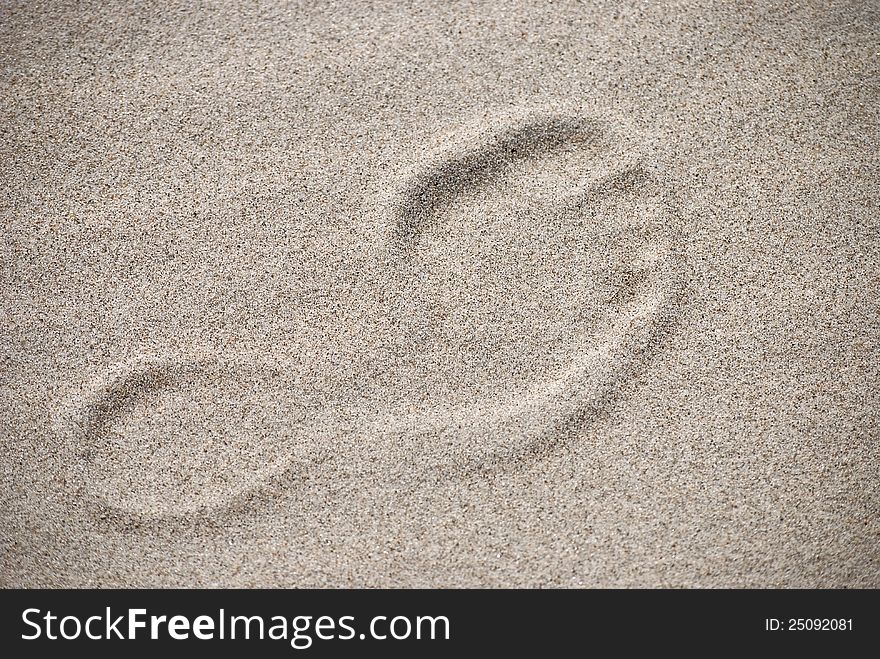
(440, 294)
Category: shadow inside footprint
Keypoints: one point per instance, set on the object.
(474, 164)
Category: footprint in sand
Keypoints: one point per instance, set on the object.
(529, 269)
(532, 268)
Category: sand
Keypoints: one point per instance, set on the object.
(440, 294)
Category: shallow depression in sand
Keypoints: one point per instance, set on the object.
(532, 266)
(173, 437)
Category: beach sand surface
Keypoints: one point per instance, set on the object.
(440, 294)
